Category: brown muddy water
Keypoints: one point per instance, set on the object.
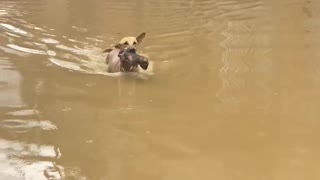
(232, 93)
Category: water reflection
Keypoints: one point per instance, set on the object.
(30, 161)
(245, 55)
(9, 84)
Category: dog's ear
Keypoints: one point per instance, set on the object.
(141, 37)
(119, 46)
(107, 50)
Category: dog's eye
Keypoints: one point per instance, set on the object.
(126, 43)
(134, 43)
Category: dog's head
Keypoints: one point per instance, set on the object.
(131, 42)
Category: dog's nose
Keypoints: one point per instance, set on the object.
(131, 50)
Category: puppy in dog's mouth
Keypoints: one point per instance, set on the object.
(123, 57)
(129, 60)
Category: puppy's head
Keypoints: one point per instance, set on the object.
(129, 60)
(130, 42)
(144, 64)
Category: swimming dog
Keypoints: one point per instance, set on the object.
(120, 57)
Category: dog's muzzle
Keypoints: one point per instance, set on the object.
(130, 50)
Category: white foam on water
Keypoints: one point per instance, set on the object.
(25, 112)
(49, 41)
(26, 50)
(101, 70)
(14, 29)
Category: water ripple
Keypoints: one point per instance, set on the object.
(22, 126)
(245, 53)
(13, 29)
(26, 112)
(3, 12)
(26, 50)
(78, 55)
(49, 41)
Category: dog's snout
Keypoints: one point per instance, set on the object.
(131, 49)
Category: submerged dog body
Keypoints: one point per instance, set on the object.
(122, 57)
(113, 60)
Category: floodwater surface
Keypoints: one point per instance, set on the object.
(231, 94)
